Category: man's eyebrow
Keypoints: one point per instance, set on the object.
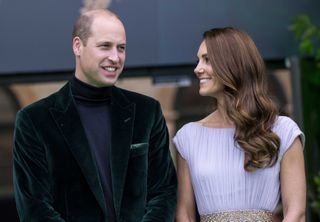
(103, 42)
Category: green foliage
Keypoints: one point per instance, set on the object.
(315, 204)
(308, 36)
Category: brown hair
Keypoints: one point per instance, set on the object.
(238, 64)
(82, 26)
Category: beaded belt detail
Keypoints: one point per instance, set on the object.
(238, 216)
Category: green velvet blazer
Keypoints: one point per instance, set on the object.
(55, 174)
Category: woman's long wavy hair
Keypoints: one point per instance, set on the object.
(238, 64)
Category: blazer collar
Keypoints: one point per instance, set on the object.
(67, 118)
(122, 118)
(122, 114)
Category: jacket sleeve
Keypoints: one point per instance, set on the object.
(30, 174)
(162, 181)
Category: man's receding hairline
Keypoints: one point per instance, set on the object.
(83, 26)
(93, 14)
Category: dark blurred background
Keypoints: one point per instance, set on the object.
(163, 37)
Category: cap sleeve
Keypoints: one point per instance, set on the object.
(181, 142)
(288, 131)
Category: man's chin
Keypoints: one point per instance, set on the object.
(109, 82)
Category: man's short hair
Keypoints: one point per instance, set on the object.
(82, 28)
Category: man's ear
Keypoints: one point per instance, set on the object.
(76, 45)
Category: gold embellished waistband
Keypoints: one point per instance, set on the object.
(238, 216)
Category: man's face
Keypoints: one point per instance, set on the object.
(100, 62)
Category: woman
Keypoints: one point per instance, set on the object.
(231, 163)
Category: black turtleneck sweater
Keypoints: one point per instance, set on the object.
(93, 105)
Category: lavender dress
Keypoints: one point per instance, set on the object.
(219, 180)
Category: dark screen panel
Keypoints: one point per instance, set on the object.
(36, 35)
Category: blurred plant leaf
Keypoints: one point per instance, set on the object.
(315, 195)
(308, 36)
(306, 47)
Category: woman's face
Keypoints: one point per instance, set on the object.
(209, 84)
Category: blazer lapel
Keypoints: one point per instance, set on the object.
(122, 115)
(67, 118)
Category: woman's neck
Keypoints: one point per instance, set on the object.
(217, 119)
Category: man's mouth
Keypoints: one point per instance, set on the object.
(109, 68)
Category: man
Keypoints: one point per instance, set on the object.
(91, 151)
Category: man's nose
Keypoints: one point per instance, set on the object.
(114, 55)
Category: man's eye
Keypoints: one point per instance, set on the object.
(105, 45)
(122, 48)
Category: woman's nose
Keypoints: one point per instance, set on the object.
(198, 70)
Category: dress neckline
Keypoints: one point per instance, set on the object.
(214, 128)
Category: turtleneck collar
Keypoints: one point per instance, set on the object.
(84, 92)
